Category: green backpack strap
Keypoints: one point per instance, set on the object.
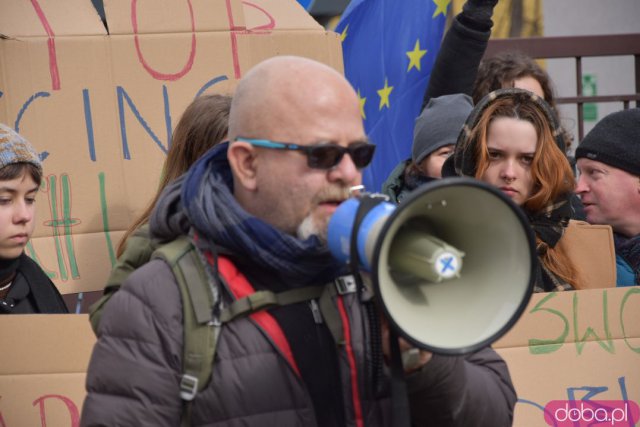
(262, 300)
(201, 330)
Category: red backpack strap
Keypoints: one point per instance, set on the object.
(241, 288)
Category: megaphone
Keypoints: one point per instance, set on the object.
(453, 266)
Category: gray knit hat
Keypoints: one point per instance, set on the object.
(439, 124)
(615, 141)
(15, 149)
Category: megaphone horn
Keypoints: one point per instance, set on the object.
(452, 266)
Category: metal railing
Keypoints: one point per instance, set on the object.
(579, 47)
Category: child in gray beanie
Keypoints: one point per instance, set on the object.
(438, 126)
(608, 159)
(24, 287)
(435, 134)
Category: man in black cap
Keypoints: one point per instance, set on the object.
(608, 160)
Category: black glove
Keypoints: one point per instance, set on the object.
(477, 14)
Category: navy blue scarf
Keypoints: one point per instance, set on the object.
(207, 197)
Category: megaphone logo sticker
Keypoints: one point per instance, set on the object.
(448, 265)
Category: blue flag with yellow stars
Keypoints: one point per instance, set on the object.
(389, 48)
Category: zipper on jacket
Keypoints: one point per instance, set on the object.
(315, 311)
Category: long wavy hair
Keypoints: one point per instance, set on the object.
(204, 123)
(551, 173)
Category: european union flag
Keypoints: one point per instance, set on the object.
(389, 48)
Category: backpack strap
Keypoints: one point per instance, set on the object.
(201, 330)
(202, 327)
(262, 300)
(342, 285)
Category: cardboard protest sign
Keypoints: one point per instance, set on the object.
(574, 346)
(42, 371)
(567, 346)
(596, 268)
(100, 108)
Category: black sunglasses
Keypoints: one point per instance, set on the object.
(323, 156)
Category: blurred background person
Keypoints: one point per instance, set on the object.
(24, 287)
(435, 134)
(204, 123)
(608, 160)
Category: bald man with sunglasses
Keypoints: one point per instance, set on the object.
(256, 209)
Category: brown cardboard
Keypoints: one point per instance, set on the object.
(43, 369)
(40, 18)
(592, 251)
(570, 344)
(102, 106)
(566, 344)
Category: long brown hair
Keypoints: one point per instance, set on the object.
(550, 170)
(204, 123)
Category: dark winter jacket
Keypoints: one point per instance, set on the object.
(136, 365)
(32, 291)
(281, 366)
(627, 260)
(399, 184)
(137, 252)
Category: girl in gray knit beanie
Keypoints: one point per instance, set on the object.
(24, 287)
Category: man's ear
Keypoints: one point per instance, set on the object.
(242, 158)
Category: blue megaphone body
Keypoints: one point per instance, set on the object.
(414, 251)
(341, 226)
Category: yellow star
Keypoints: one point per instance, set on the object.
(415, 56)
(442, 7)
(343, 34)
(362, 102)
(384, 94)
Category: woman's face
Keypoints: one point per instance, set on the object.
(432, 164)
(511, 144)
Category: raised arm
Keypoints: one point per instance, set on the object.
(461, 50)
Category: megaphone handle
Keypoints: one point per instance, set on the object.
(400, 412)
(367, 203)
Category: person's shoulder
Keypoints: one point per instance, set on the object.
(155, 273)
(27, 263)
(394, 182)
(46, 294)
(33, 272)
(147, 304)
(154, 284)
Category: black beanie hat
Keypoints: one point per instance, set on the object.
(615, 141)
